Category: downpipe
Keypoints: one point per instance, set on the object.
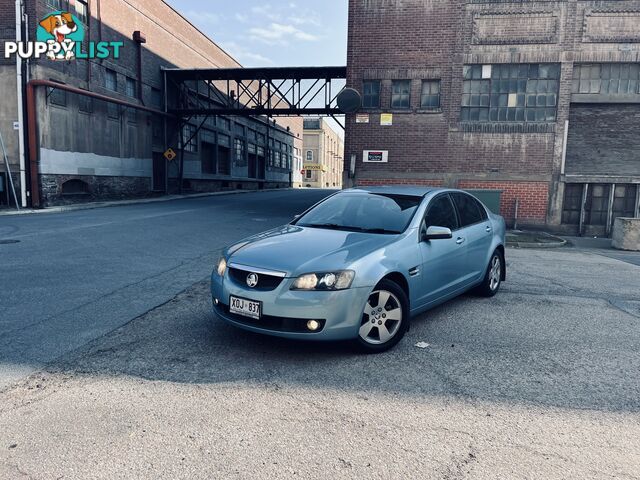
(19, 87)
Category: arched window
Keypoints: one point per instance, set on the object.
(309, 155)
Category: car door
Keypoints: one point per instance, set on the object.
(442, 260)
(475, 232)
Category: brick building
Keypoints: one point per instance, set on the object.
(323, 155)
(93, 149)
(538, 99)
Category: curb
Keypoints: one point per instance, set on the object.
(140, 201)
(536, 244)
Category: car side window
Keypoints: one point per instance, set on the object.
(441, 213)
(468, 209)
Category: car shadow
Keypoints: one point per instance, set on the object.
(503, 349)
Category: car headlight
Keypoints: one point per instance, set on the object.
(222, 266)
(339, 280)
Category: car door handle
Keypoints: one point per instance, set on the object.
(488, 229)
(460, 240)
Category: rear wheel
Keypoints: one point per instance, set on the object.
(385, 319)
(493, 277)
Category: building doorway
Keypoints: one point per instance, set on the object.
(159, 172)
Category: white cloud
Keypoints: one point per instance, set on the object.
(278, 33)
(244, 55)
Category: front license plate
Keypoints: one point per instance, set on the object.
(244, 307)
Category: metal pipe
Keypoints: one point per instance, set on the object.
(19, 87)
(33, 123)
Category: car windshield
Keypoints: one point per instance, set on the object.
(358, 212)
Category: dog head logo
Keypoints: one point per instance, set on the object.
(63, 29)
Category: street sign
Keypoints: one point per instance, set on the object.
(375, 156)
(170, 154)
(386, 119)
(362, 118)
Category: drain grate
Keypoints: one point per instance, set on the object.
(7, 242)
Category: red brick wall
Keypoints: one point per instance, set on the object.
(533, 198)
(399, 181)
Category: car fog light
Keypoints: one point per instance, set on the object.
(313, 325)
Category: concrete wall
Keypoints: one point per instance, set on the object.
(626, 234)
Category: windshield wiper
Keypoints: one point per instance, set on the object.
(335, 226)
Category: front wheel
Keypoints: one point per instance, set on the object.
(493, 276)
(385, 319)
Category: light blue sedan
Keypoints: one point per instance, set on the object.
(359, 264)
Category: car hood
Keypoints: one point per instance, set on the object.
(297, 250)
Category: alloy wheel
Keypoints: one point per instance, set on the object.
(495, 272)
(381, 318)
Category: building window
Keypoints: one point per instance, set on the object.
(224, 123)
(81, 11)
(401, 94)
(85, 104)
(276, 161)
(309, 155)
(607, 79)
(131, 87)
(132, 115)
(260, 138)
(156, 97)
(510, 93)
(238, 129)
(189, 138)
(111, 80)
(308, 174)
(430, 95)
(571, 204)
(58, 4)
(58, 96)
(597, 205)
(113, 110)
(371, 94)
(239, 152)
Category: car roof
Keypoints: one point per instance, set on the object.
(414, 190)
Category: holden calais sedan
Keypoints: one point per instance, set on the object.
(359, 264)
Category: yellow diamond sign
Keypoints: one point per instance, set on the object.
(170, 154)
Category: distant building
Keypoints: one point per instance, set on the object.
(323, 155)
(538, 100)
(90, 149)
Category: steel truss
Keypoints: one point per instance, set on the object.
(255, 91)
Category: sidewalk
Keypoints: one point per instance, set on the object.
(119, 203)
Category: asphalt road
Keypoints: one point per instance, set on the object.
(540, 382)
(76, 276)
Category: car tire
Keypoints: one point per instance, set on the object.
(392, 315)
(493, 276)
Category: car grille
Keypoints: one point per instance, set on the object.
(265, 282)
(267, 322)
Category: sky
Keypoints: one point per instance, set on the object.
(273, 34)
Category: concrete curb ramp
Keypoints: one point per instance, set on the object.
(521, 239)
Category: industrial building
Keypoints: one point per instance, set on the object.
(105, 134)
(323, 155)
(536, 100)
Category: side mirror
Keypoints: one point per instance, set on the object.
(437, 233)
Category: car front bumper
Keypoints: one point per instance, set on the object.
(285, 312)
